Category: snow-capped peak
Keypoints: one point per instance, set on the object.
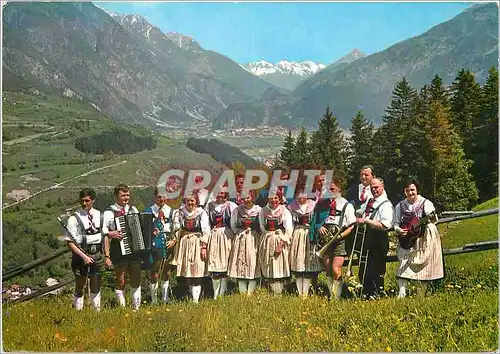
(304, 68)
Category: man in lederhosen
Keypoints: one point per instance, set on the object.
(378, 216)
(334, 211)
(85, 229)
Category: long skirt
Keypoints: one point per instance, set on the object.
(302, 252)
(424, 261)
(219, 247)
(189, 263)
(271, 265)
(243, 255)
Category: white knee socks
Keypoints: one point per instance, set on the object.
(277, 287)
(306, 284)
(403, 284)
(164, 291)
(252, 284)
(243, 286)
(299, 281)
(78, 302)
(153, 287)
(196, 291)
(216, 284)
(120, 298)
(223, 286)
(95, 299)
(136, 297)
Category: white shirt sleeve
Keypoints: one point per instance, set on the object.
(386, 215)
(350, 216)
(72, 226)
(205, 226)
(108, 222)
(429, 208)
(288, 225)
(176, 222)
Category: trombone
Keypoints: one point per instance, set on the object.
(360, 234)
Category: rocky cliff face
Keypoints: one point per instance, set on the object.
(123, 65)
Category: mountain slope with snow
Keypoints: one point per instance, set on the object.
(285, 74)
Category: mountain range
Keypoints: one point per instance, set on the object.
(127, 67)
(284, 74)
(122, 65)
(469, 40)
(289, 74)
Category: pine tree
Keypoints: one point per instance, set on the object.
(328, 146)
(360, 145)
(397, 157)
(465, 106)
(446, 179)
(286, 157)
(485, 139)
(437, 92)
(301, 151)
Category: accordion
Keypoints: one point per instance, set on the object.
(136, 231)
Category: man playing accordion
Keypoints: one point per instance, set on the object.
(130, 263)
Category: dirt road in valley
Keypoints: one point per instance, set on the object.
(62, 183)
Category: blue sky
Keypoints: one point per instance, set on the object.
(322, 32)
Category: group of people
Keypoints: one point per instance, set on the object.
(258, 236)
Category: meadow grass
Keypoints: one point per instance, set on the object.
(459, 313)
(445, 321)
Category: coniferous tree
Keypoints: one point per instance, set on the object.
(286, 157)
(448, 181)
(328, 146)
(397, 141)
(360, 145)
(465, 106)
(437, 92)
(485, 139)
(301, 150)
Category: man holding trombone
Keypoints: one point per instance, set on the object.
(375, 219)
(334, 219)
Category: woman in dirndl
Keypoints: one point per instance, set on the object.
(243, 257)
(192, 253)
(423, 259)
(219, 242)
(277, 228)
(304, 263)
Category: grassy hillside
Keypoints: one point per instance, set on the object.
(459, 314)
